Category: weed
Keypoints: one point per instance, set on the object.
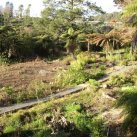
(120, 80)
(94, 84)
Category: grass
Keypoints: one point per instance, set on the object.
(72, 108)
(36, 89)
(77, 72)
(128, 100)
(122, 59)
(74, 115)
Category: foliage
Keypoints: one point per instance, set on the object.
(84, 122)
(109, 41)
(71, 37)
(94, 84)
(122, 2)
(4, 60)
(121, 80)
(77, 74)
(130, 9)
(73, 76)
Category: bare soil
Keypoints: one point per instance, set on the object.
(20, 75)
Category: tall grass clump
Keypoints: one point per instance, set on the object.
(78, 72)
(75, 74)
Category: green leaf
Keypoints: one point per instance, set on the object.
(70, 31)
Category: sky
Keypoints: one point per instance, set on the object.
(37, 5)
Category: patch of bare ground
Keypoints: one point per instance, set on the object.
(20, 75)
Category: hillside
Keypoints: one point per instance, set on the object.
(102, 109)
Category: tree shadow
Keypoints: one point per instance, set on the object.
(128, 101)
(45, 133)
(29, 133)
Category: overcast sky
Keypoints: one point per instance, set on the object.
(37, 5)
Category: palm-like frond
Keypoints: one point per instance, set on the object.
(107, 41)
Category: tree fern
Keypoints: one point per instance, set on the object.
(107, 41)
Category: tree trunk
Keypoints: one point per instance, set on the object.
(88, 47)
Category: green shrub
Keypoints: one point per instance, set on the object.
(85, 57)
(77, 74)
(4, 60)
(13, 124)
(120, 80)
(94, 84)
(36, 89)
(129, 56)
(36, 124)
(9, 129)
(114, 58)
(72, 76)
(9, 90)
(123, 62)
(97, 72)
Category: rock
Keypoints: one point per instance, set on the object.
(43, 72)
(105, 86)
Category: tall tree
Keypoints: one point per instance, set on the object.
(20, 11)
(27, 11)
(60, 15)
(8, 12)
(74, 10)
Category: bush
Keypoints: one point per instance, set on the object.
(13, 124)
(129, 56)
(94, 84)
(120, 80)
(77, 74)
(72, 76)
(4, 60)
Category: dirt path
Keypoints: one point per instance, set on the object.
(61, 94)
